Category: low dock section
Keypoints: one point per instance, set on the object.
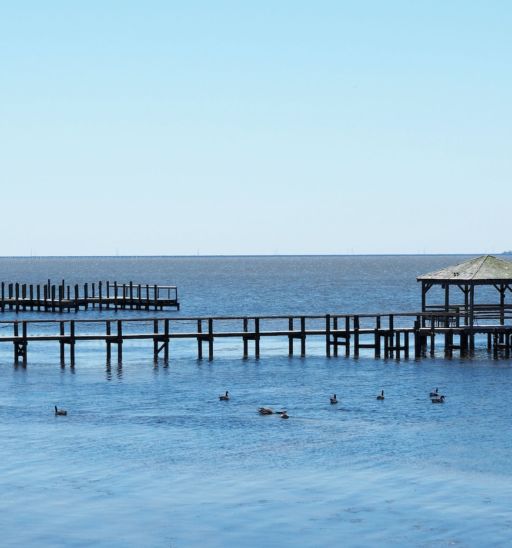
(385, 335)
(62, 297)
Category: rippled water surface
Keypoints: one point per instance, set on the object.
(148, 455)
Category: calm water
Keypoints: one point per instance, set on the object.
(148, 456)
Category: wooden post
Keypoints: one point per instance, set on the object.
(24, 342)
(377, 336)
(93, 288)
(471, 318)
(290, 337)
(16, 342)
(155, 340)
(86, 296)
(167, 340)
(147, 297)
(328, 335)
(119, 341)
(100, 295)
(356, 336)
(335, 336)
(31, 296)
(54, 296)
(448, 348)
(69, 298)
(3, 296)
(108, 294)
(423, 301)
(139, 291)
(302, 336)
(62, 344)
(397, 344)
(155, 296)
(199, 339)
(446, 303)
(38, 296)
(17, 289)
(257, 337)
(245, 342)
(131, 295)
(61, 296)
(502, 304)
(463, 338)
(347, 336)
(391, 333)
(210, 339)
(116, 304)
(72, 343)
(406, 345)
(10, 296)
(77, 298)
(109, 343)
(123, 302)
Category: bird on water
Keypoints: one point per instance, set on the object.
(437, 399)
(333, 399)
(60, 412)
(265, 411)
(434, 393)
(284, 414)
(381, 395)
(224, 397)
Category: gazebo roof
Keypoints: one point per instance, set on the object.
(484, 269)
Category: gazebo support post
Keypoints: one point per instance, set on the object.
(466, 304)
(446, 303)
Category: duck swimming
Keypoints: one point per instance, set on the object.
(265, 411)
(381, 395)
(333, 399)
(60, 412)
(224, 397)
(284, 415)
(438, 399)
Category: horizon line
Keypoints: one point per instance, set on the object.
(249, 255)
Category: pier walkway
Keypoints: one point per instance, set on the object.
(387, 335)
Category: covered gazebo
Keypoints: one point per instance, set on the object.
(486, 270)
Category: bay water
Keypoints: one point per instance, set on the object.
(149, 456)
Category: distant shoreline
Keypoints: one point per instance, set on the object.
(262, 255)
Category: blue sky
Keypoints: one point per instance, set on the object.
(255, 127)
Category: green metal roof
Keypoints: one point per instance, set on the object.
(486, 268)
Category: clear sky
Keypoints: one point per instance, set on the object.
(239, 127)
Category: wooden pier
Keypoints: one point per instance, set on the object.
(397, 336)
(62, 297)
(452, 327)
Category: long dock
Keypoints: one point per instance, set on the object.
(62, 297)
(387, 335)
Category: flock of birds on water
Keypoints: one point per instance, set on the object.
(435, 397)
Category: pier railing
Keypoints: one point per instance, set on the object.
(48, 297)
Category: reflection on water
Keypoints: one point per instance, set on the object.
(118, 368)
